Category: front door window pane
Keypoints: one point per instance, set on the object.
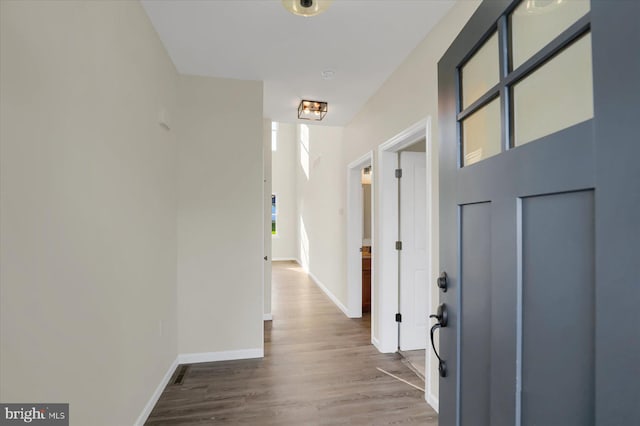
(481, 134)
(555, 96)
(534, 23)
(481, 72)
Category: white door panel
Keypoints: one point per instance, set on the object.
(413, 257)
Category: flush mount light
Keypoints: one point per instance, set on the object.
(306, 7)
(312, 110)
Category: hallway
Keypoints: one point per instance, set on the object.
(319, 369)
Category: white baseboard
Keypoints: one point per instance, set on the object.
(284, 259)
(376, 343)
(432, 401)
(354, 314)
(267, 317)
(328, 292)
(385, 347)
(382, 349)
(220, 356)
(156, 394)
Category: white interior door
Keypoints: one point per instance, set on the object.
(413, 256)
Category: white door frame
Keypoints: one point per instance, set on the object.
(266, 221)
(387, 289)
(355, 224)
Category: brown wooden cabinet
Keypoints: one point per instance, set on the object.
(366, 282)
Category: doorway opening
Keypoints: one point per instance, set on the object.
(367, 209)
(407, 251)
(360, 239)
(412, 258)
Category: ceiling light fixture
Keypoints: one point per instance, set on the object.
(306, 7)
(312, 110)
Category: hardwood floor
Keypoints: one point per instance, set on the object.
(319, 369)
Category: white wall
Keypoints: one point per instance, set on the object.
(284, 162)
(220, 215)
(87, 208)
(321, 190)
(409, 95)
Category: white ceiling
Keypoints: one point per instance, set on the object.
(362, 41)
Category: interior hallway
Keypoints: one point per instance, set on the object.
(319, 369)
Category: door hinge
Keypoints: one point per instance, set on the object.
(398, 245)
(398, 317)
(398, 173)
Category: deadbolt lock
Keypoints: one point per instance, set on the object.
(443, 281)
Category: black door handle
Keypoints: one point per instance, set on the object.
(442, 317)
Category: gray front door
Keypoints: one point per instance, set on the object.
(540, 215)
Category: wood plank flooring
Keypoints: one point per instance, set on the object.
(319, 369)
